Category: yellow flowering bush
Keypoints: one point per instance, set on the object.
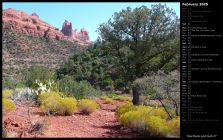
(174, 126)
(53, 103)
(153, 121)
(44, 95)
(159, 112)
(156, 126)
(125, 108)
(6, 93)
(103, 97)
(134, 119)
(8, 104)
(108, 100)
(87, 106)
(69, 105)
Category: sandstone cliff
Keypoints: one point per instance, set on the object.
(20, 21)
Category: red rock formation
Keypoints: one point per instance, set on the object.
(79, 37)
(67, 28)
(35, 15)
(32, 25)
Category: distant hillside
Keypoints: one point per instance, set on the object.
(22, 22)
(27, 41)
(21, 51)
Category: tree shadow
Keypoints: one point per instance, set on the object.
(117, 131)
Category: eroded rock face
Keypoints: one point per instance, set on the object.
(79, 37)
(32, 25)
(67, 28)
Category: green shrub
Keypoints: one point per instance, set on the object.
(79, 90)
(123, 98)
(91, 64)
(152, 103)
(8, 104)
(108, 81)
(174, 126)
(9, 82)
(112, 95)
(87, 106)
(39, 73)
(4, 133)
(119, 83)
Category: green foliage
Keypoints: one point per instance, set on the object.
(152, 103)
(141, 41)
(123, 98)
(90, 64)
(137, 49)
(37, 73)
(4, 133)
(162, 87)
(8, 83)
(119, 83)
(79, 90)
(87, 106)
(53, 103)
(111, 95)
(22, 51)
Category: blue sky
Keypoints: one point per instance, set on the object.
(88, 15)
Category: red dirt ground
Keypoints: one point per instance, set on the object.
(102, 123)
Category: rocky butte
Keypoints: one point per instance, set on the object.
(20, 21)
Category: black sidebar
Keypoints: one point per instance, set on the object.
(201, 69)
